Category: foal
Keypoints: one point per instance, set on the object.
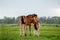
(27, 20)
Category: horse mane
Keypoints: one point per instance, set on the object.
(32, 15)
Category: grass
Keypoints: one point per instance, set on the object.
(11, 32)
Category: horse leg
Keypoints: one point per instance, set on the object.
(36, 29)
(21, 30)
(20, 23)
(25, 27)
(30, 29)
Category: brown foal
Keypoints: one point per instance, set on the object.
(26, 21)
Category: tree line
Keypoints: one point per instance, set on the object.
(42, 20)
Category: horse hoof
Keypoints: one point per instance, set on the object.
(25, 35)
(30, 34)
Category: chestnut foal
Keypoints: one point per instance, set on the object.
(26, 21)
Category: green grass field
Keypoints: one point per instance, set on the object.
(11, 32)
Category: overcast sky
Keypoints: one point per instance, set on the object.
(15, 8)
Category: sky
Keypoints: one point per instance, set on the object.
(15, 8)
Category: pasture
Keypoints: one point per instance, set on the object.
(47, 32)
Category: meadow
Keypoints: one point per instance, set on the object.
(47, 32)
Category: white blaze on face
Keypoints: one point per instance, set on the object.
(35, 19)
